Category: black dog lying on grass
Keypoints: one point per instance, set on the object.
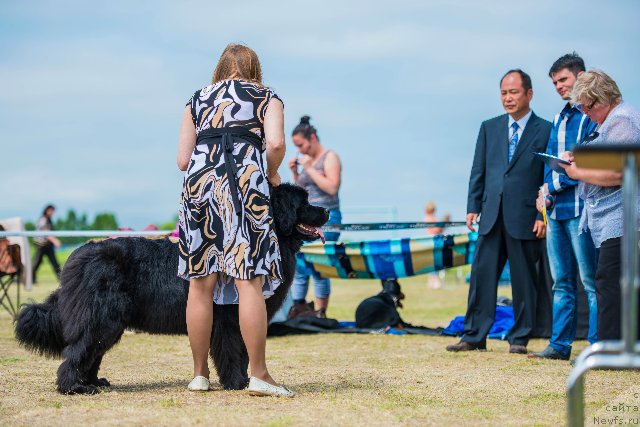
(132, 282)
(381, 310)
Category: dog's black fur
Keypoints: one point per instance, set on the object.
(115, 284)
(381, 310)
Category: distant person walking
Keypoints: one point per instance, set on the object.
(504, 183)
(45, 246)
(570, 252)
(318, 170)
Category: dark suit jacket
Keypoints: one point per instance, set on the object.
(513, 185)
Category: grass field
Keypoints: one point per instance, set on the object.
(341, 379)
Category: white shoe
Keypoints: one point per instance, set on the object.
(257, 387)
(199, 383)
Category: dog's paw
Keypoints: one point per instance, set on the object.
(81, 389)
(235, 384)
(101, 382)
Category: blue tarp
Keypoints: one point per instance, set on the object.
(502, 324)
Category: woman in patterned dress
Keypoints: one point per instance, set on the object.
(228, 249)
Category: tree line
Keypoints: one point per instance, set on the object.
(102, 221)
(75, 222)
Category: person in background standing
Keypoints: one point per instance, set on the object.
(598, 96)
(430, 216)
(433, 281)
(318, 171)
(505, 178)
(570, 252)
(45, 246)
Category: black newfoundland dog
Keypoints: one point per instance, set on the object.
(115, 284)
(381, 311)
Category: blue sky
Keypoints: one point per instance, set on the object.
(91, 93)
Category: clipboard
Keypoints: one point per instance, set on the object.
(553, 162)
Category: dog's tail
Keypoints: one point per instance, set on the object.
(38, 327)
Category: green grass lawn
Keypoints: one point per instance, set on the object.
(341, 379)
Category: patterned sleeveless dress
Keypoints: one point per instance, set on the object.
(225, 224)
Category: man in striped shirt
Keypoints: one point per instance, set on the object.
(569, 250)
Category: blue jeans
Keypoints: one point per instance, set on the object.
(321, 286)
(570, 253)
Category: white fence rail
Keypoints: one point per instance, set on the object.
(85, 233)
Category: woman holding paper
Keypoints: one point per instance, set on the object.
(598, 96)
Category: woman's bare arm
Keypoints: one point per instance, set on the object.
(274, 137)
(602, 178)
(187, 139)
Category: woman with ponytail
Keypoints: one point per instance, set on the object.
(318, 170)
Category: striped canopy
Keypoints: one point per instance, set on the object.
(387, 259)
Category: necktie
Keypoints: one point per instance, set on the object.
(513, 141)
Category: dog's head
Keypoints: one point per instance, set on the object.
(294, 216)
(392, 287)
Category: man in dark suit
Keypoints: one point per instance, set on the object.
(504, 183)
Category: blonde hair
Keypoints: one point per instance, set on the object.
(430, 208)
(595, 86)
(240, 62)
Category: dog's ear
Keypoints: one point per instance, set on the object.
(283, 201)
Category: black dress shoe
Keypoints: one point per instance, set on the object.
(468, 346)
(549, 353)
(517, 349)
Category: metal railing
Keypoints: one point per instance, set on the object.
(131, 233)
